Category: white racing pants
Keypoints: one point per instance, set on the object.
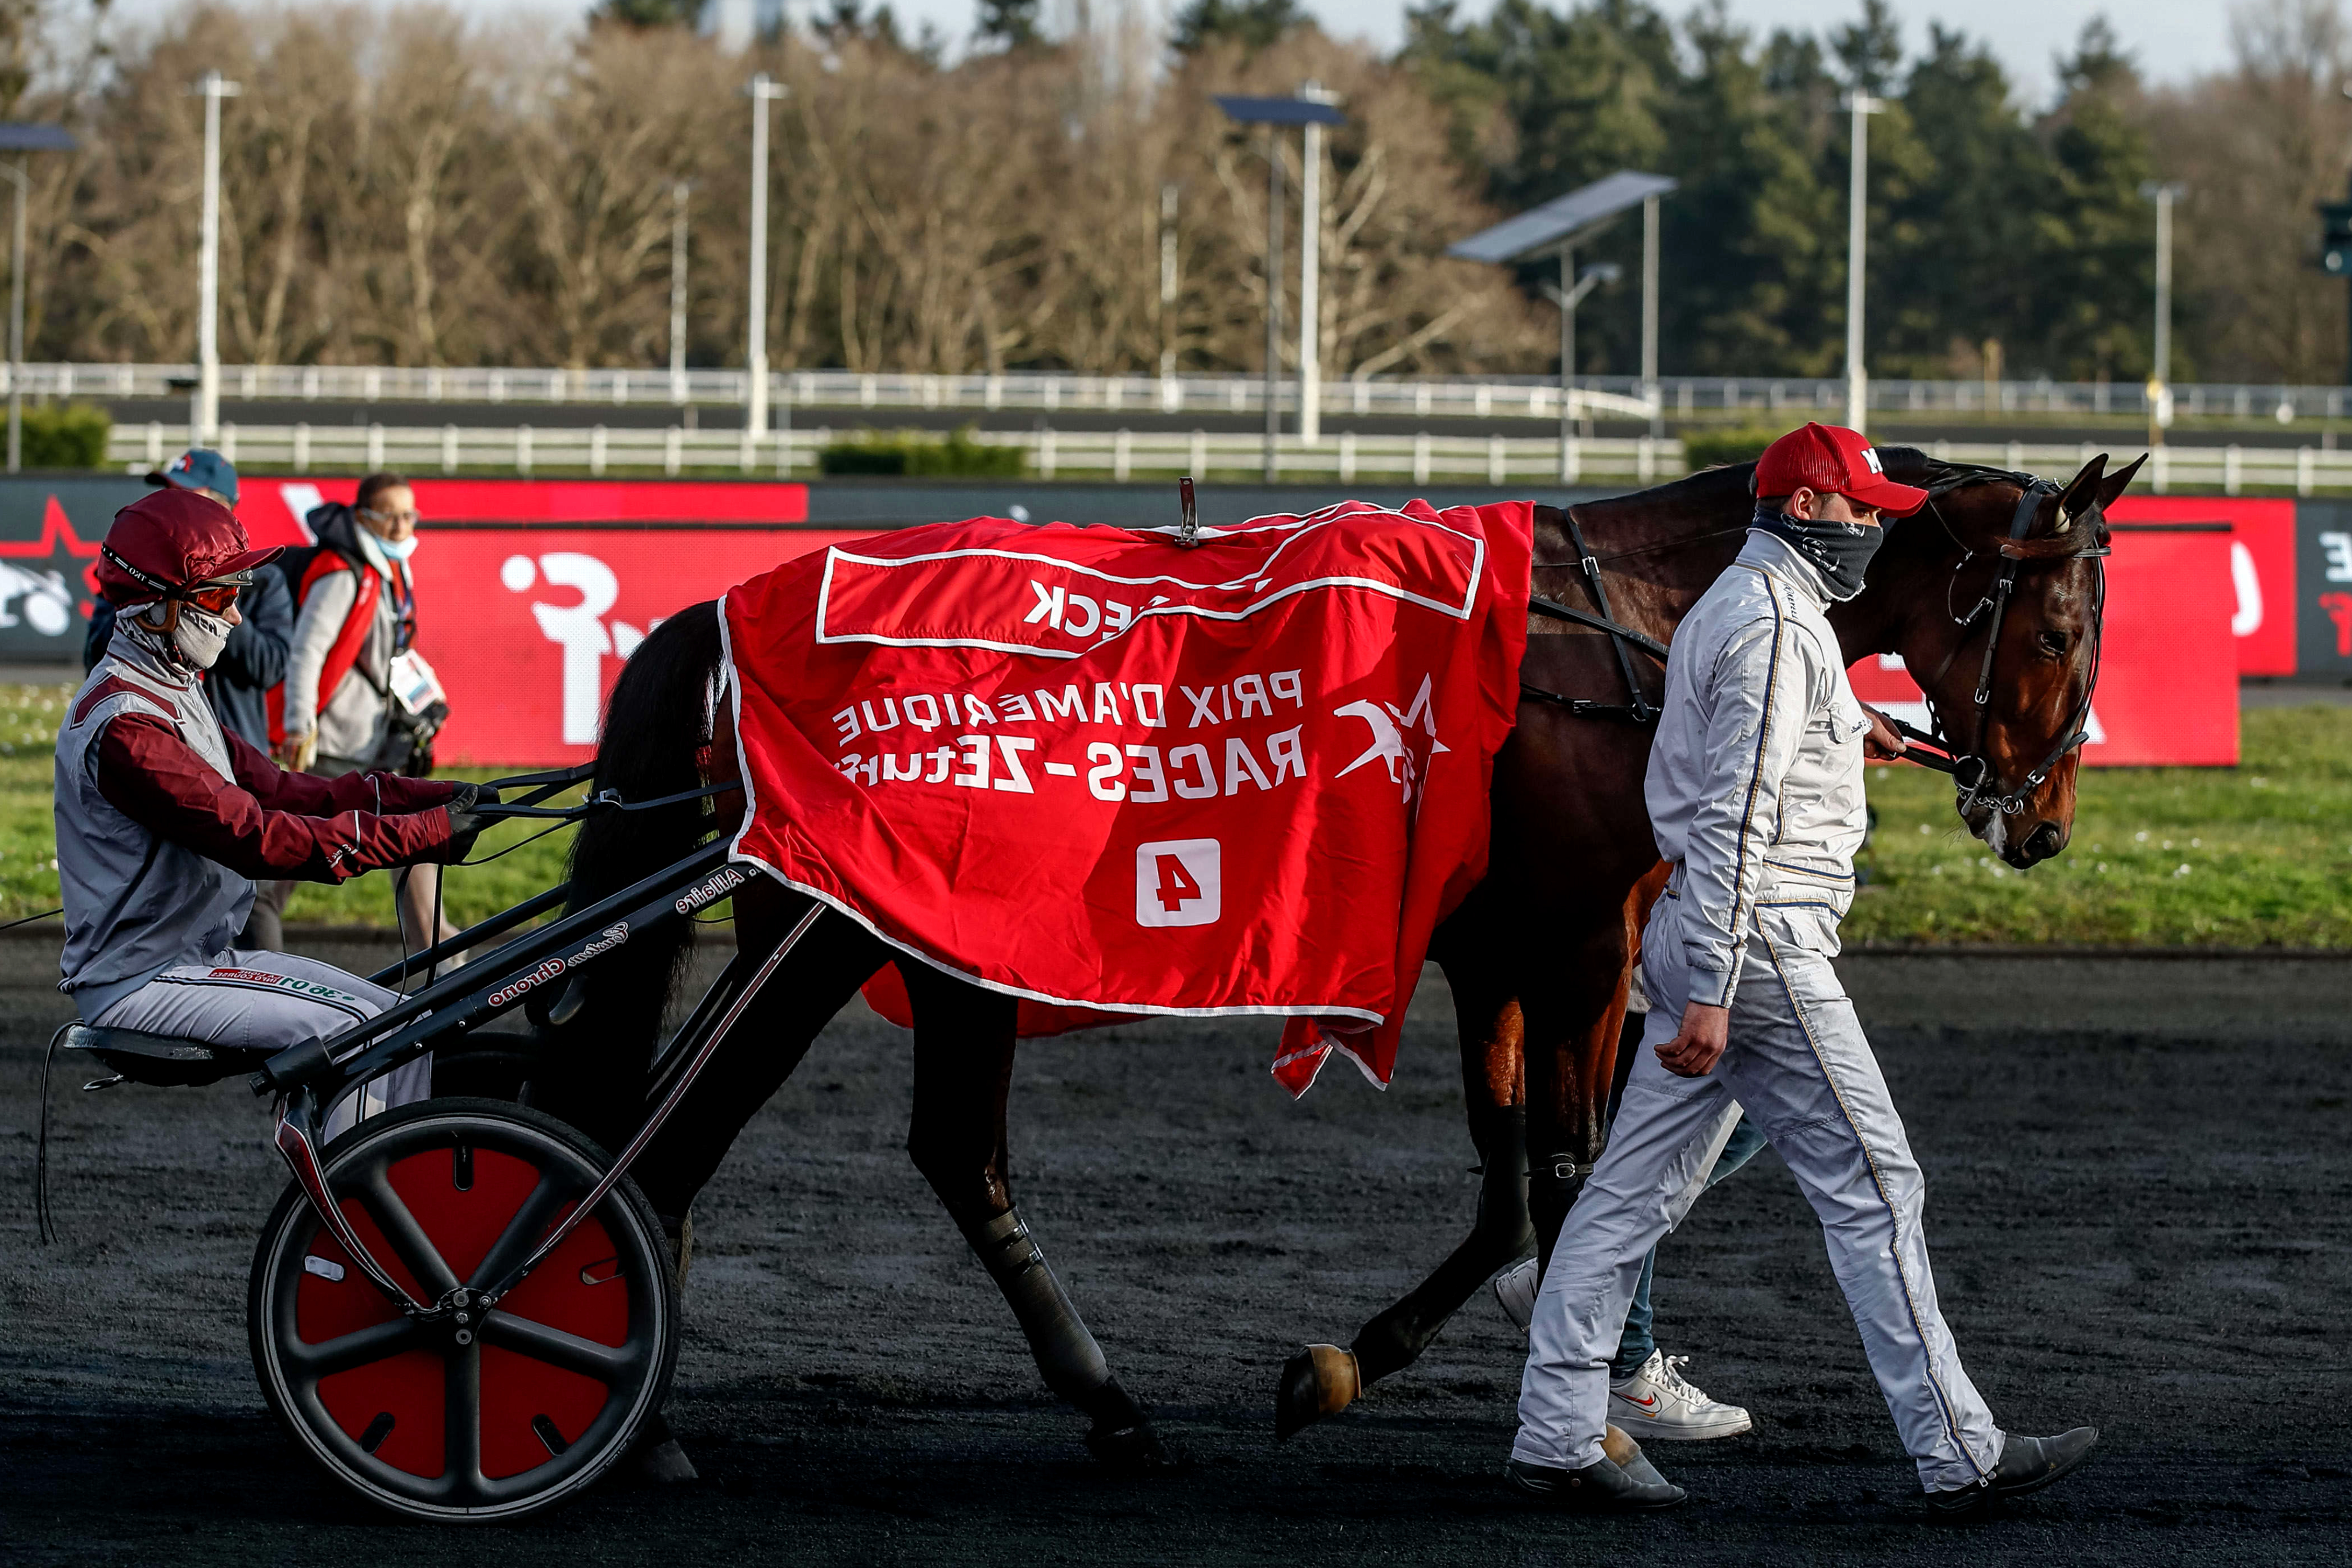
(1798, 1064)
(275, 1000)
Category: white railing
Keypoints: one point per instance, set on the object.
(1441, 397)
(1049, 454)
(1121, 455)
(1048, 392)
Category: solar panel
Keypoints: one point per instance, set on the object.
(1539, 231)
(1280, 112)
(31, 136)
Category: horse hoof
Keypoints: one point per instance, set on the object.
(1319, 1381)
(656, 1459)
(1136, 1450)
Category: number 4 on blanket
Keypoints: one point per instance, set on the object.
(1178, 882)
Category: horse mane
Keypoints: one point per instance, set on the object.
(655, 741)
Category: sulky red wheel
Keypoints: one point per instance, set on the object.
(531, 1401)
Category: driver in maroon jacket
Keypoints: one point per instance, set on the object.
(165, 821)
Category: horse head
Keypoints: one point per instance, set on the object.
(1993, 594)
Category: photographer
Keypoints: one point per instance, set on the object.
(358, 698)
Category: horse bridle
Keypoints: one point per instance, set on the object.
(1971, 771)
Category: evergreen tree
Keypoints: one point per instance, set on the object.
(1959, 188)
(1012, 23)
(1252, 23)
(1870, 49)
(2099, 269)
(648, 12)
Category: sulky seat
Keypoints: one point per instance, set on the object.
(162, 1059)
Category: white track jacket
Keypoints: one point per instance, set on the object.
(1755, 786)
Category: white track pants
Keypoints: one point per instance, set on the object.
(273, 999)
(1798, 1064)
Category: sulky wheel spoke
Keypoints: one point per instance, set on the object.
(608, 1365)
(530, 1224)
(408, 1240)
(355, 1349)
(464, 1386)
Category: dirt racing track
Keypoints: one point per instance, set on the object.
(2138, 1179)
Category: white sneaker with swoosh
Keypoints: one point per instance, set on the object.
(1658, 1402)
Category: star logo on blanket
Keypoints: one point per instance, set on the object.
(1389, 724)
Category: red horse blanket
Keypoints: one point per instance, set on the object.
(1114, 777)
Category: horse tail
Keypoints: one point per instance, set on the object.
(599, 1033)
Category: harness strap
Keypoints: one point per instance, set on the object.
(1590, 567)
(1559, 612)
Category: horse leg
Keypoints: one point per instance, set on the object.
(963, 1070)
(1575, 1027)
(811, 984)
(1322, 1380)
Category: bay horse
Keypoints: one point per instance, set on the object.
(1538, 954)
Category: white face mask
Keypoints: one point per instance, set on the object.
(398, 549)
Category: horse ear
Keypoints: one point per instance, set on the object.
(2081, 493)
(2112, 486)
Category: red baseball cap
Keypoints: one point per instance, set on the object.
(172, 538)
(1833, 460)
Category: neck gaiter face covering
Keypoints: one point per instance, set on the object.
(1840, 551)
(194, 644)
(200, 637)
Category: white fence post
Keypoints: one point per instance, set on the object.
(1421, 457)
(1348, 457)
(374, 445)
(302, 448)
(2232, 468)
(1121, 450)
(2305, 470)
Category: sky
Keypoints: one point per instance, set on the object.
(2171, 39)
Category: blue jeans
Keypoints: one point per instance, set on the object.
(1635, 1346)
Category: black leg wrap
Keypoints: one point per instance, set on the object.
(1397, 1337)
(1553, 1183)
(1072, 1362)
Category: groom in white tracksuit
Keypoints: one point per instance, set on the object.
(1755, 792)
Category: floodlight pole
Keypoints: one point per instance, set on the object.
(1310, 271)
(763, 91)
(2159, 380)
(1650, 313)
(1567, 303)
(1860, 105)
(16, 175)
(212, 89)
(1273, 298)
(678, 292)
(1168, 198)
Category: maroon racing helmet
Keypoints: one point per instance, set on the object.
(176, 544)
